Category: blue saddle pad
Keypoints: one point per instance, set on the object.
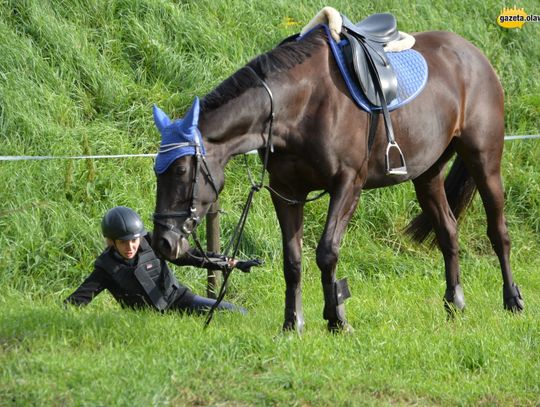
(410, 67)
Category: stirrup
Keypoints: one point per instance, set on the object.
(396, 170)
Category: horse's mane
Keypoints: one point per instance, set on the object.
(282, 58)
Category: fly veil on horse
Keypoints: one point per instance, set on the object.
(295, 105)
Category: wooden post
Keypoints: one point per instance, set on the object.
(212, 245)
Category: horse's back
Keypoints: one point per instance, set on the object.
(453, 59)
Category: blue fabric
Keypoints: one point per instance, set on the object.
(410, 67)
(178, 138)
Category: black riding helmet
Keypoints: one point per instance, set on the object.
(122, 223)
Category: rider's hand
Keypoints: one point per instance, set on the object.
(245, 266)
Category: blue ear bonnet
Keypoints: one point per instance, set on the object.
(178, 138)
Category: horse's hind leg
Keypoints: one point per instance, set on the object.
(484, 165)
(433, 201)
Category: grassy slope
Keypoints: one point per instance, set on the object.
(80, 77)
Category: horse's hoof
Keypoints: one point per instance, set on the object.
(454, 301)
(293, 326)
(513, 301)
(341, 327)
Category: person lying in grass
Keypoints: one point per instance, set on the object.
(136, 277)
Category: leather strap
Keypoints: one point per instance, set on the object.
(150, 288)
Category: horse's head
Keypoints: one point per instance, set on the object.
(186, 185)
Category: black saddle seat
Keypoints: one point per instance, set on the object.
(380, 27)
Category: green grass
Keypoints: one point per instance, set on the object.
(80, 77)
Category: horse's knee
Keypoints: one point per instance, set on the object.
(292, 264)
(326, 257)
(292, 270)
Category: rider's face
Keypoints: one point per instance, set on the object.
(127, 248)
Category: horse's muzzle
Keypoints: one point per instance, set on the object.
(171, 245)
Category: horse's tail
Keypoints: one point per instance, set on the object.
(459, 187)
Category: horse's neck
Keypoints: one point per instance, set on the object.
(238, 126)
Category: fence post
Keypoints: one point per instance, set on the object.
(212, 245)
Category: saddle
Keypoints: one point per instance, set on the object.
(360, 53)
(375, 75)
(366, 49)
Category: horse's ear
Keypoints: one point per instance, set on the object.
(160, 118)
(191, 119)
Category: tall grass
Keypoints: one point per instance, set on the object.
(80, 77)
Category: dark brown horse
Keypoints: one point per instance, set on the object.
(320, 143)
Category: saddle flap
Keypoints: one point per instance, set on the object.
(361, 54)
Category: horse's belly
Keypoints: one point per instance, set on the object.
(418, 159)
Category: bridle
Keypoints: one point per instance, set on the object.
(192, 219)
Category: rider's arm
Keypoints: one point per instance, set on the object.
(208, 260)
(91, 286)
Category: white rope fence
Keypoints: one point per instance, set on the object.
(527, 136)
(86, 157)
(68, 157)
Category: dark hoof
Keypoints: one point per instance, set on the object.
(513, 301)
(454, 301)
(293, 326)
(341, 327)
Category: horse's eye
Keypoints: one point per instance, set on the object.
(180, 170)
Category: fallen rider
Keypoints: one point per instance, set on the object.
(130, 270)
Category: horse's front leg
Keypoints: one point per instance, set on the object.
(291, 221)
(343, 202)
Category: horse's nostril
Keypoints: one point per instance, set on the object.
(171, 246)
(165, 246)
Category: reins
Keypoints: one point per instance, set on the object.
(234, 243)
(255, 187)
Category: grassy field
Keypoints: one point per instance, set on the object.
(80, 77)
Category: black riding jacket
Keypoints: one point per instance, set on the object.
(144, 281)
